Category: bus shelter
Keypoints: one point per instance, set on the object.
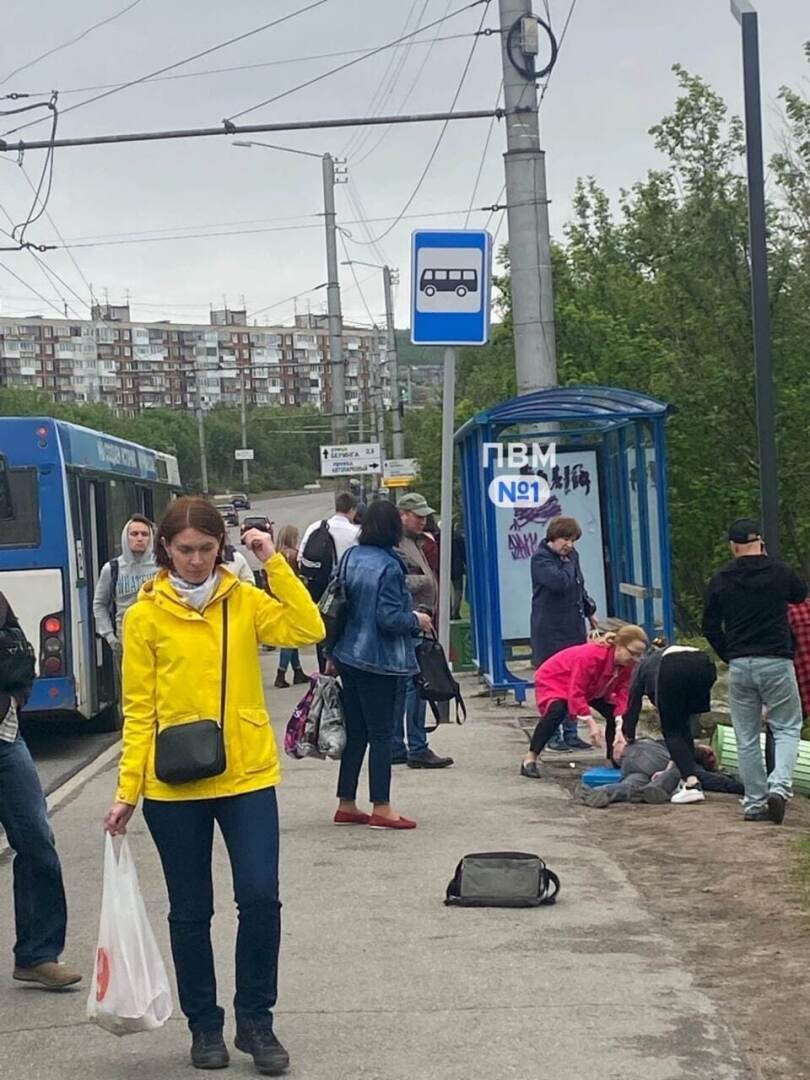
(608, 469)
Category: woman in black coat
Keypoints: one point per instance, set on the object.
(560, 604)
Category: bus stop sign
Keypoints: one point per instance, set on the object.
(451, 273)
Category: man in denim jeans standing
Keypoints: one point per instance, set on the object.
(746, 622)
(410, 738)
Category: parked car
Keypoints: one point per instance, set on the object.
(257, 521)
(240, 500)
(230, 514)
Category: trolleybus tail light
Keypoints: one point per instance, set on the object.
(52, 646)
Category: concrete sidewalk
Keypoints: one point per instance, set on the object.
(380, 981)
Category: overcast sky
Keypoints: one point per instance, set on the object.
(611, 83)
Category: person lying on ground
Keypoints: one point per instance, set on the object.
(678, 680)
(650, 775)
(594, 676)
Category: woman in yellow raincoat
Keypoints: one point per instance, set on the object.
(194, 629)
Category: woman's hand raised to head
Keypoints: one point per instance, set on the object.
(260, 543)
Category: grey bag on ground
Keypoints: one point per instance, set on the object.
(502, 879)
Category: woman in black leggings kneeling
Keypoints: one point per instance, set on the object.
(678, 680)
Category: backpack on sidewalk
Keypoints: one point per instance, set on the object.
(318, 560)
(435, 682)
(502, 879)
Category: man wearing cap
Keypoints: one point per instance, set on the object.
(746, 622)
(423, 587)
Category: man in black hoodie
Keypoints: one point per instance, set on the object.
(746, 622)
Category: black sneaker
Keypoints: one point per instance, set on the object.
(578, 744)
(777, 804)
(428, 760)
(559, 745)
(760, 814)
(208, 1050)
(256, 1037)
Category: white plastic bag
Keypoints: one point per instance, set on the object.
(130, 989)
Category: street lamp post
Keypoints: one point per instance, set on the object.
(337, 365)
(746, 16)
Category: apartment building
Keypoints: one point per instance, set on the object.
(132, 366)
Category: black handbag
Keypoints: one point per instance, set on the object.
(334, 606)
(195, 751)
(502, 879)
(435, 682)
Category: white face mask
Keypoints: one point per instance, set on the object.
(196, 596)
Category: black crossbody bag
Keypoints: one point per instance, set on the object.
(195, 751)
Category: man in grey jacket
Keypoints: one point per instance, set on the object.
(120, 582)
(424, 589)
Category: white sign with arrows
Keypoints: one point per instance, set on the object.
(351, 460)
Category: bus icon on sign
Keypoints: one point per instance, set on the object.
(459, 282)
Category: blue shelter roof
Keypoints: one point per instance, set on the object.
(600, 407)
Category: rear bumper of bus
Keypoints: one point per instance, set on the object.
(52, 695)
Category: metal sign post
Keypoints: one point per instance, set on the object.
(451, 276)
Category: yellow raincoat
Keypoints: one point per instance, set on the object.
(171, 675)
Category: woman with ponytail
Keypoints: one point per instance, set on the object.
(594, 676)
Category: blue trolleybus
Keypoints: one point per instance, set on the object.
(65, 494)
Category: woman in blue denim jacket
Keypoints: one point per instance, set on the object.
(373, 657)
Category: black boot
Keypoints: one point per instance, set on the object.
(208, 1050)
(256, 1037)
(299, 676)
(280, 683)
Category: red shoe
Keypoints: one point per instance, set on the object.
(346, 817)
(378, 822)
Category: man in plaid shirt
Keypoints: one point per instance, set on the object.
(799, 618)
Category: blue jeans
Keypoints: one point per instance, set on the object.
(287, 657)
(755, 682)
(410, 723)
(371, 702)
(40, 910)
(183, 832)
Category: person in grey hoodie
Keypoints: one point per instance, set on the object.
(120, 582)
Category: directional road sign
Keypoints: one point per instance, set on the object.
(451, 274)
(243, 455)
(351, 460)
(400, 468)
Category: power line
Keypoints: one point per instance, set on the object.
(252, 232)
(285, 61)
(49, 277)
(351, 63)
(31, 288)
(441, 135)
(372, 320)
(187, 60)
(358, 207)
(566, 24)
(483, 157)
(416, 81)
(377, 92)
(73, 41)
(396, 65)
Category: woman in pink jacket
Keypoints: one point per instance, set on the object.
(594, 676)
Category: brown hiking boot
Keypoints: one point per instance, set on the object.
(50, 976)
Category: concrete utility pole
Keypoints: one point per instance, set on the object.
(339, 426)
(200, 428)
(527, 204)
(389, 279)
(243, 422)
(746, 16)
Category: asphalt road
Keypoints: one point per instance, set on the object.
(299, 510)
(62, 747)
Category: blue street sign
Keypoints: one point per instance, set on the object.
(451, 274)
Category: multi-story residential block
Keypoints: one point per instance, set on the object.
(132, 366)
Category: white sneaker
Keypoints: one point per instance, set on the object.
(686, 794)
